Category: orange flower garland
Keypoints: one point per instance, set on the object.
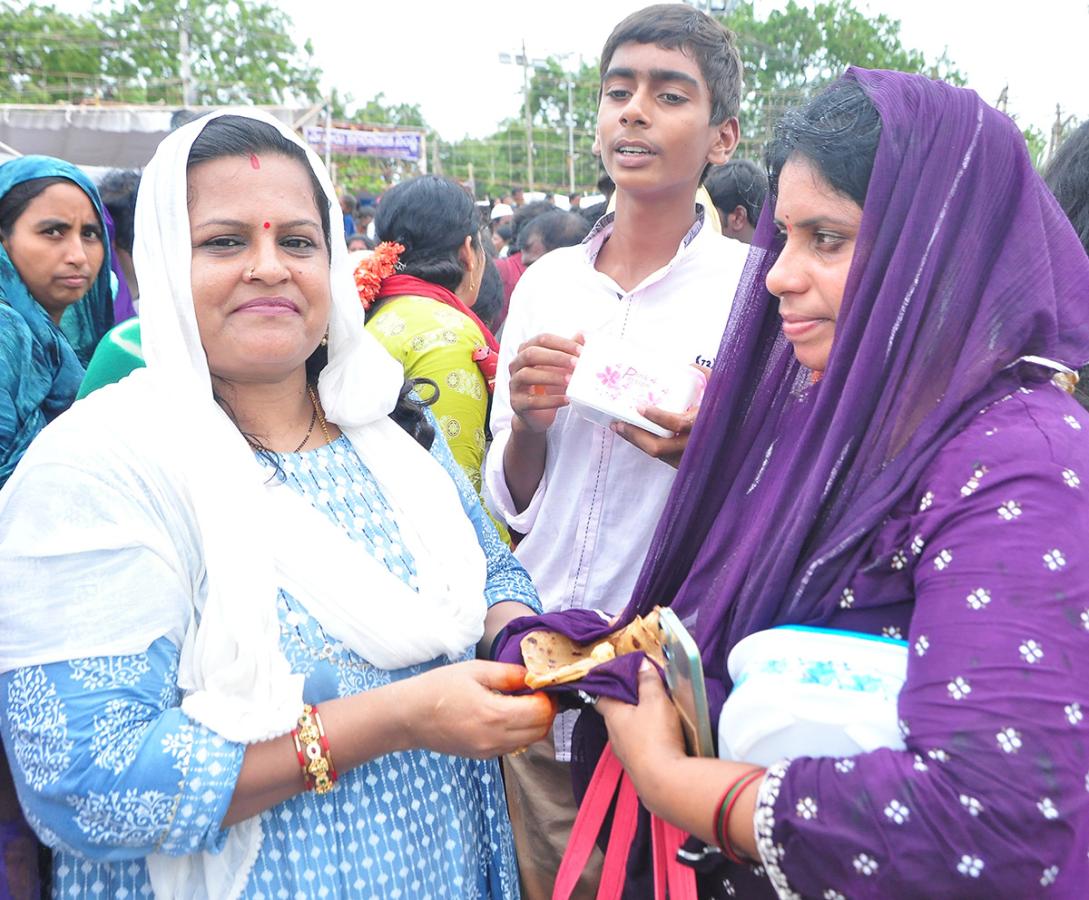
(376, 268)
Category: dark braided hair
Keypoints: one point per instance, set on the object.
(430, 217)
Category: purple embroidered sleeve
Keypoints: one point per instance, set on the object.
(991, 797)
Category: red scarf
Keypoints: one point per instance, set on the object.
(485, 356)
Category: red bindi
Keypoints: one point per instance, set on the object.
(268, 225)
(254, 161)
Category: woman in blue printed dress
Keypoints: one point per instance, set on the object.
(241, 591)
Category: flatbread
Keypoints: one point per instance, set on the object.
(552, 658)
(641, 634)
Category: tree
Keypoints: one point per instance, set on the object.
(798, 49)
(499, 160)
(47, 55)
(1036, 141)
(787, 55)
(239, 51)
(379, 111)
(548, 95)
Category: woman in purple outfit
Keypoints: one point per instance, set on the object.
(883, 449)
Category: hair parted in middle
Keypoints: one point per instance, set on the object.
(239, 136)
(837, 132)
(677, 26)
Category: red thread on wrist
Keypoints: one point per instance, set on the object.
(716, 819)
(721, 808)
(745, 781)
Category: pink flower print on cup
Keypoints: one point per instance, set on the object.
(610, 381)
(614, 380)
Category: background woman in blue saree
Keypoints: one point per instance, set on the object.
(54, 281)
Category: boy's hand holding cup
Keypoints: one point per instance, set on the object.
(539, 375)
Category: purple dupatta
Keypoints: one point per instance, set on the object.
(963, 265)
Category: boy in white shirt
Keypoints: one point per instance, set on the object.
(652, 274)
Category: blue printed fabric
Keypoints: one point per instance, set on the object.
(109, 769)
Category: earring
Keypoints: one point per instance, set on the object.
(325, 338)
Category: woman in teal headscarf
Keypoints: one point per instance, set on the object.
(55, 300)
(55, 304)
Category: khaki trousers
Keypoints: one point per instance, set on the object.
(542, 811)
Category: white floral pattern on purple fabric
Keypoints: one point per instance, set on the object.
(975, 628)
(971, 805)
(959, 688)
(979, 598)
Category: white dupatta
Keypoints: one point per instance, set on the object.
(161, 467)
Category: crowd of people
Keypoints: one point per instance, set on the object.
(282, 488)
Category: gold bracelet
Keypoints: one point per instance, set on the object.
(313, 752)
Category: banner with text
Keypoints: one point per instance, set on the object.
(389, 144)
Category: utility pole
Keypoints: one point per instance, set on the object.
(328, 134)
(527, 63)
(529, 116)
(436, 162)
(1058, 130)
(570, 138)
(183, 52)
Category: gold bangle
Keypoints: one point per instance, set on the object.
(313, 752)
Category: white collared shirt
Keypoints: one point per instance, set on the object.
(590, 522)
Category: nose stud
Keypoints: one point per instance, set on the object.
(250, 273)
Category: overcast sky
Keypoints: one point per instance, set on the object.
(444, 54)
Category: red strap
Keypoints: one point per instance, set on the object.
(626, 817)
(588, 822)
(660, 856)
(666, 840)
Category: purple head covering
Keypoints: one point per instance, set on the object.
(123, 307)
(964, 264)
